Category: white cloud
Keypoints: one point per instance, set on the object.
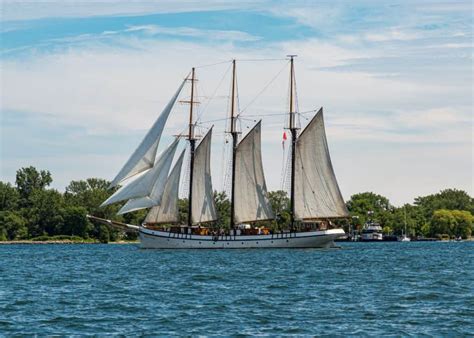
(394, 33)
(22, 10)
(210, 34)
(422, 126)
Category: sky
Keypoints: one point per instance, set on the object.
(82, 81)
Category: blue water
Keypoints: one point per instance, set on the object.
(361, 289)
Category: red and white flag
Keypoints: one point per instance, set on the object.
(284, 139)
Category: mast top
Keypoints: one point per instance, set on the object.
(291, 109)
(233, 118)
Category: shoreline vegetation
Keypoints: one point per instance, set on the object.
(32, 213)
(52, 240)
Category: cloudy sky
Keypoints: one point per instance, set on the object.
(81, 82)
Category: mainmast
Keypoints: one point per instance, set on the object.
(294, 136)
(192, 144)
(234, 134)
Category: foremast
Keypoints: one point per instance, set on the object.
(294, 137)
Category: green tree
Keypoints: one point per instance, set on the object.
(455, 223)
(75, 222)
(29, 179)
(101, 232)
(9, 197)
(183, 210)
(361, 204)
(44, 217)
(448, 199)
(281, 207)
(410, 214)
(442, 222)
(90, 194)
(12, 226)
(464, 223)
(223, 209)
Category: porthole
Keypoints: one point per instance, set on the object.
(242, 243)
(227, 243)
(184, 241)
(287, 240)
(257, 242)
(272, 242)
(199, 242)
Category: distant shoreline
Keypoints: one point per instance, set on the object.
(64, 242)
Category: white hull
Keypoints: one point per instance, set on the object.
(153, 239)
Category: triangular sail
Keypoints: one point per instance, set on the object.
(149, 185)
(317, 193)
(144, 156)
(250, 195)
(203, 208)
(167, 211)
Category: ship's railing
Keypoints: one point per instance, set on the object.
(225, 236)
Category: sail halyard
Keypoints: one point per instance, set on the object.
(251, 196)
(144, 156)
(316, 187)
(167, 211)
(148, 185)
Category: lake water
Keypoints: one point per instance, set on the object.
(361, 289)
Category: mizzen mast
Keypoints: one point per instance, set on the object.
(234, 134)
(294, 136)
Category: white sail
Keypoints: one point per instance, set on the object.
(203, 208)
(149, 185)
(167, 211)
(144, 156)
(317, 193)
(250, 194)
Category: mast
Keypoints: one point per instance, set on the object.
(233, 132)
(192, 144)
(294, 136)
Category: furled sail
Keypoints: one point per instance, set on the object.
(144, 156)
(251, 197)
(317, 193)
(150, 185)
(203, 208)
(167, 211)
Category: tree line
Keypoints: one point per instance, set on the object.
(31, 210)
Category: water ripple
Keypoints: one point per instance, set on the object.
(394, 289)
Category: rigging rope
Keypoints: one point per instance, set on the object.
(212, 96)
(257, 60)
(263, 90)
(213, 64)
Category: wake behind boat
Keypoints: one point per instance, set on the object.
(150, 183)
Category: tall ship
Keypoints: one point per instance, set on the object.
(148, 181)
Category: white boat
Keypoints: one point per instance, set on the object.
(371, 232)
(404, 237)
(153, 239)
(153, 183)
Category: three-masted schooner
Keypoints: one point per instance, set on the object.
(154, 184)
